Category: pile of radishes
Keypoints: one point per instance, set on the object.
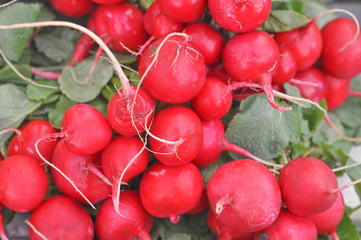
(142, 161)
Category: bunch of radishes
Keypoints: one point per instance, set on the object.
(196, 70)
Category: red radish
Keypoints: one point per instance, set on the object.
(289, 226)
(214, 143)
(326, 222)
(76, 167)
(23, 183)
(171, 191)
(135, 224)
(202, 204)
(183, 128)
(184, 11)
(23, 143)
(217, 71)
(2, 230)
(176, 72)
(337, 91)
(207, 40)
(305, 43)
(60, 217)
(286, 67)
(252, 57)
(1, 157)
(223, 232)
(106, 2)
(240, 16)
(163, 25)
(129, 21)
(149, 17)
(312, 84)
(237, 191)
(87, 130)
(340, 57)
(308, 186)
(120, 113)
(73, 8)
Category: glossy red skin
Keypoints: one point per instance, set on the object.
(207, 40)
(76, 168)
(176, 61)
(149, 17)
(135, 225)
(167, 191)
(223, 232)
(23, 183)
(183, 11)
(213, 143)
(214, 100)
(120, 117)
(289, 226)
(248, 56)
(87, 130)
(217, 71)
(163, 25)
(240, 16)
(286, 67)
(304, 42)
(304, 183)
(106, 2)
(312, 75)
(60, 217)
(176, 123)
(335, 35)
(129, 29)
(246, 183)
(202, 204)
(337, 91)
(119, 152)
(30, 133)
(73, 8)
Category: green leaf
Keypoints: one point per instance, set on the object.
(146, 3)
(13, 41)
(7, 75)
(284, 20)
(36, 93)
(46, 14)
(14, 107)
(354, 173)
(207, 172)
(56, 49)
(293, 5)
(322, 237)
(124, 58)
(56, 115)
(261, 129)
(346, 230)
(325, 134)
(313, 115)
(315, 7)
(90, 90)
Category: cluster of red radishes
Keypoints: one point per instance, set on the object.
(180, 63)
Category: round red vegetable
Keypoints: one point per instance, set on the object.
(183, 11)
(73, 8)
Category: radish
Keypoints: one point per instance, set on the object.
(60, 217)
(341, 54)
(326, 222)
(312, 84)
(337, 91)
(163, 25)
(105, 2)
(130, 121)
(217, 71)
(23, 183)
(225, 233)
(135, 224)
(202, 204)
(182, 130)
(149, 17)
(129, 32)
(78, 169)
(252, 57)
(183, 11)
(174, 72)
(289, 226)
(214, 143)
(305, 43)
(73, 8)
(308, 186)
(207, 40)
(240, 16)
(171, 191)
(2, 230)
(286, 67)
(30, 132)
(237, 191)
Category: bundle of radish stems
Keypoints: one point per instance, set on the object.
(197, 70)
